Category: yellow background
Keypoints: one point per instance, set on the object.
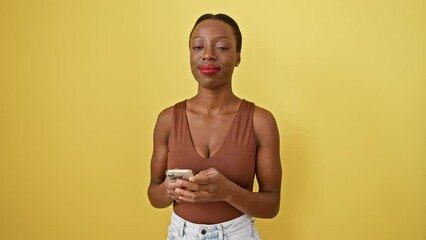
(81, 84)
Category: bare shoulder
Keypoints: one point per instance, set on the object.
(164, 124)
(165, 116)
(264, 123)
(262, 117)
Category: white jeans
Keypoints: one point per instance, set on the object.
(241, 228)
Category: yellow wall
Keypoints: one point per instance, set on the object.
(81, 83)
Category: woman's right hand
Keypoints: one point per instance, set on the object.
(171, 186)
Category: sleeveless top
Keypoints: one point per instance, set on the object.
(235, 159)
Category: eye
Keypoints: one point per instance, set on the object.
(197, 47)
(223, 48)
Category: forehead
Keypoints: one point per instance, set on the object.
(213, 28)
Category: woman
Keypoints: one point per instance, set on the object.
(226, 141)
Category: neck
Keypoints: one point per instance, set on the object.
(213, 100)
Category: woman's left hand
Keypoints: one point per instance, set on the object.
(207, 186)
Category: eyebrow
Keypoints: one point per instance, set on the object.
(217, 37)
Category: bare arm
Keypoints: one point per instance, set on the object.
(161, 191)
(210, 185)
(266, 202)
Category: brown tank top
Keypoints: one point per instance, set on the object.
(235, 159)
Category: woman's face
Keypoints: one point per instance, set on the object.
(213, 53)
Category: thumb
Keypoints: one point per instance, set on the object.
(208, 172)
(204, 176)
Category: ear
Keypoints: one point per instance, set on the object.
(238, 59)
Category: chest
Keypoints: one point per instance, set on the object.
(209, 134)
(225, 143)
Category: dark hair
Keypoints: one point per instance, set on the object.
(226, 19)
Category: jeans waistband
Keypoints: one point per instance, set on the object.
(219, 230)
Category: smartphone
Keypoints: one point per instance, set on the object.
(174, 174)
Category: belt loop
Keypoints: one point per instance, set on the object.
(182, 228)
(220, 231)
(252, 221)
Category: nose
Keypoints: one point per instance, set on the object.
(208, 54)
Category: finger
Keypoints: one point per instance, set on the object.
(207, 172)
(176, 193)
(203, 179)
(182, 194)
(173, 184)
(194, 197)
(190, 186)
(175, 197)
(210, 172)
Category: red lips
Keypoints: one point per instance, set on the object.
(208, 69)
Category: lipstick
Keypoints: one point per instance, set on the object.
(208, 69)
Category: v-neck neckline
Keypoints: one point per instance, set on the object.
(224, 140)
